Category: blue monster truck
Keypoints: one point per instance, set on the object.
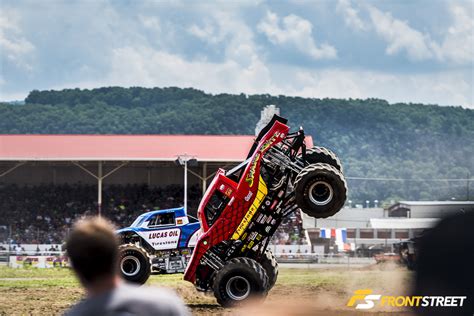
(159, 241)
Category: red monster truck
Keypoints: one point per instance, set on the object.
(243, 207)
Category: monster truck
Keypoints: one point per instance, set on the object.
(159, 241)
(243, 207)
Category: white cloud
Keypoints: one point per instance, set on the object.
(401, 37)
(226, 28)
(150, 22)
(457, 46)
(207, 32)
(445, 88)
(112, 48)
(295, 31)
(351, 15)
(13, 45)
(142, 66)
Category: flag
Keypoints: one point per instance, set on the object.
(325, 233)
(341, 235)
(338, 234)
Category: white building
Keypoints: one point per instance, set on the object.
(366, 227)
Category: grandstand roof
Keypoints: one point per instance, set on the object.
(125, 147)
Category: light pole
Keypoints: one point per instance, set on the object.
(186, 185)
(185, 160)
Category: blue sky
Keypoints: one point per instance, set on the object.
(402, 51)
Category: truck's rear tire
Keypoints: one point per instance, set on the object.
(239, 281)
(320, 190)
(270, 264)
(134, 263)
(319, 154)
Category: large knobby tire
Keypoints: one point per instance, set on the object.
(319, 154)
(239, 281)
(320, 190)
(134, 263)
(270, 264)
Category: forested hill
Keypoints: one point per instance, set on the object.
(374, 139)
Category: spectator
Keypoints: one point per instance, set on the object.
(18, 249)
(290, 254)
(93, 250)
(444, 264)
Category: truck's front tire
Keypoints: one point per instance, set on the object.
(134, 263)
(240, 280)
(320, 190)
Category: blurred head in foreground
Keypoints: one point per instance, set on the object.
(93, 250)
(92, 247)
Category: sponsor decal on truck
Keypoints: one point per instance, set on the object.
(162, 239)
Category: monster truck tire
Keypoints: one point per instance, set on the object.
(322, 155)
(320, 190)
(269, 263)
(238, 281)
(134, 263)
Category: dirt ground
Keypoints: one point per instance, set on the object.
(297, 291)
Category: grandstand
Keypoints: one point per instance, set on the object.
(47, 181)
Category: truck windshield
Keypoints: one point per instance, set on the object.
(137, 221)
(215, 206)
(235, 171)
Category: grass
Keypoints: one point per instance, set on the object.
(52, 291)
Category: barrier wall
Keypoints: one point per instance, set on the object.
(38, 261)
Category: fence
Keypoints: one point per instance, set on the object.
(49, 259)
(315, 259)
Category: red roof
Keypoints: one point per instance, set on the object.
(125, 147)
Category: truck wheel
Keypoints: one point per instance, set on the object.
(269, 263)
(322, 155)
(320, 190)
(134, 263)
(240, 280)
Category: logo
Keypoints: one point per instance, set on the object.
(162, 239)
(228, 192)
(164, 234)
(366, 296)
(251, 175)
(248, 196)
(367, 300)
(261, 193)
(253, 167)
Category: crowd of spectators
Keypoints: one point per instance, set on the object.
(290, 232)
(44, 214)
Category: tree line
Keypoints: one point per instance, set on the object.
(374, 139)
